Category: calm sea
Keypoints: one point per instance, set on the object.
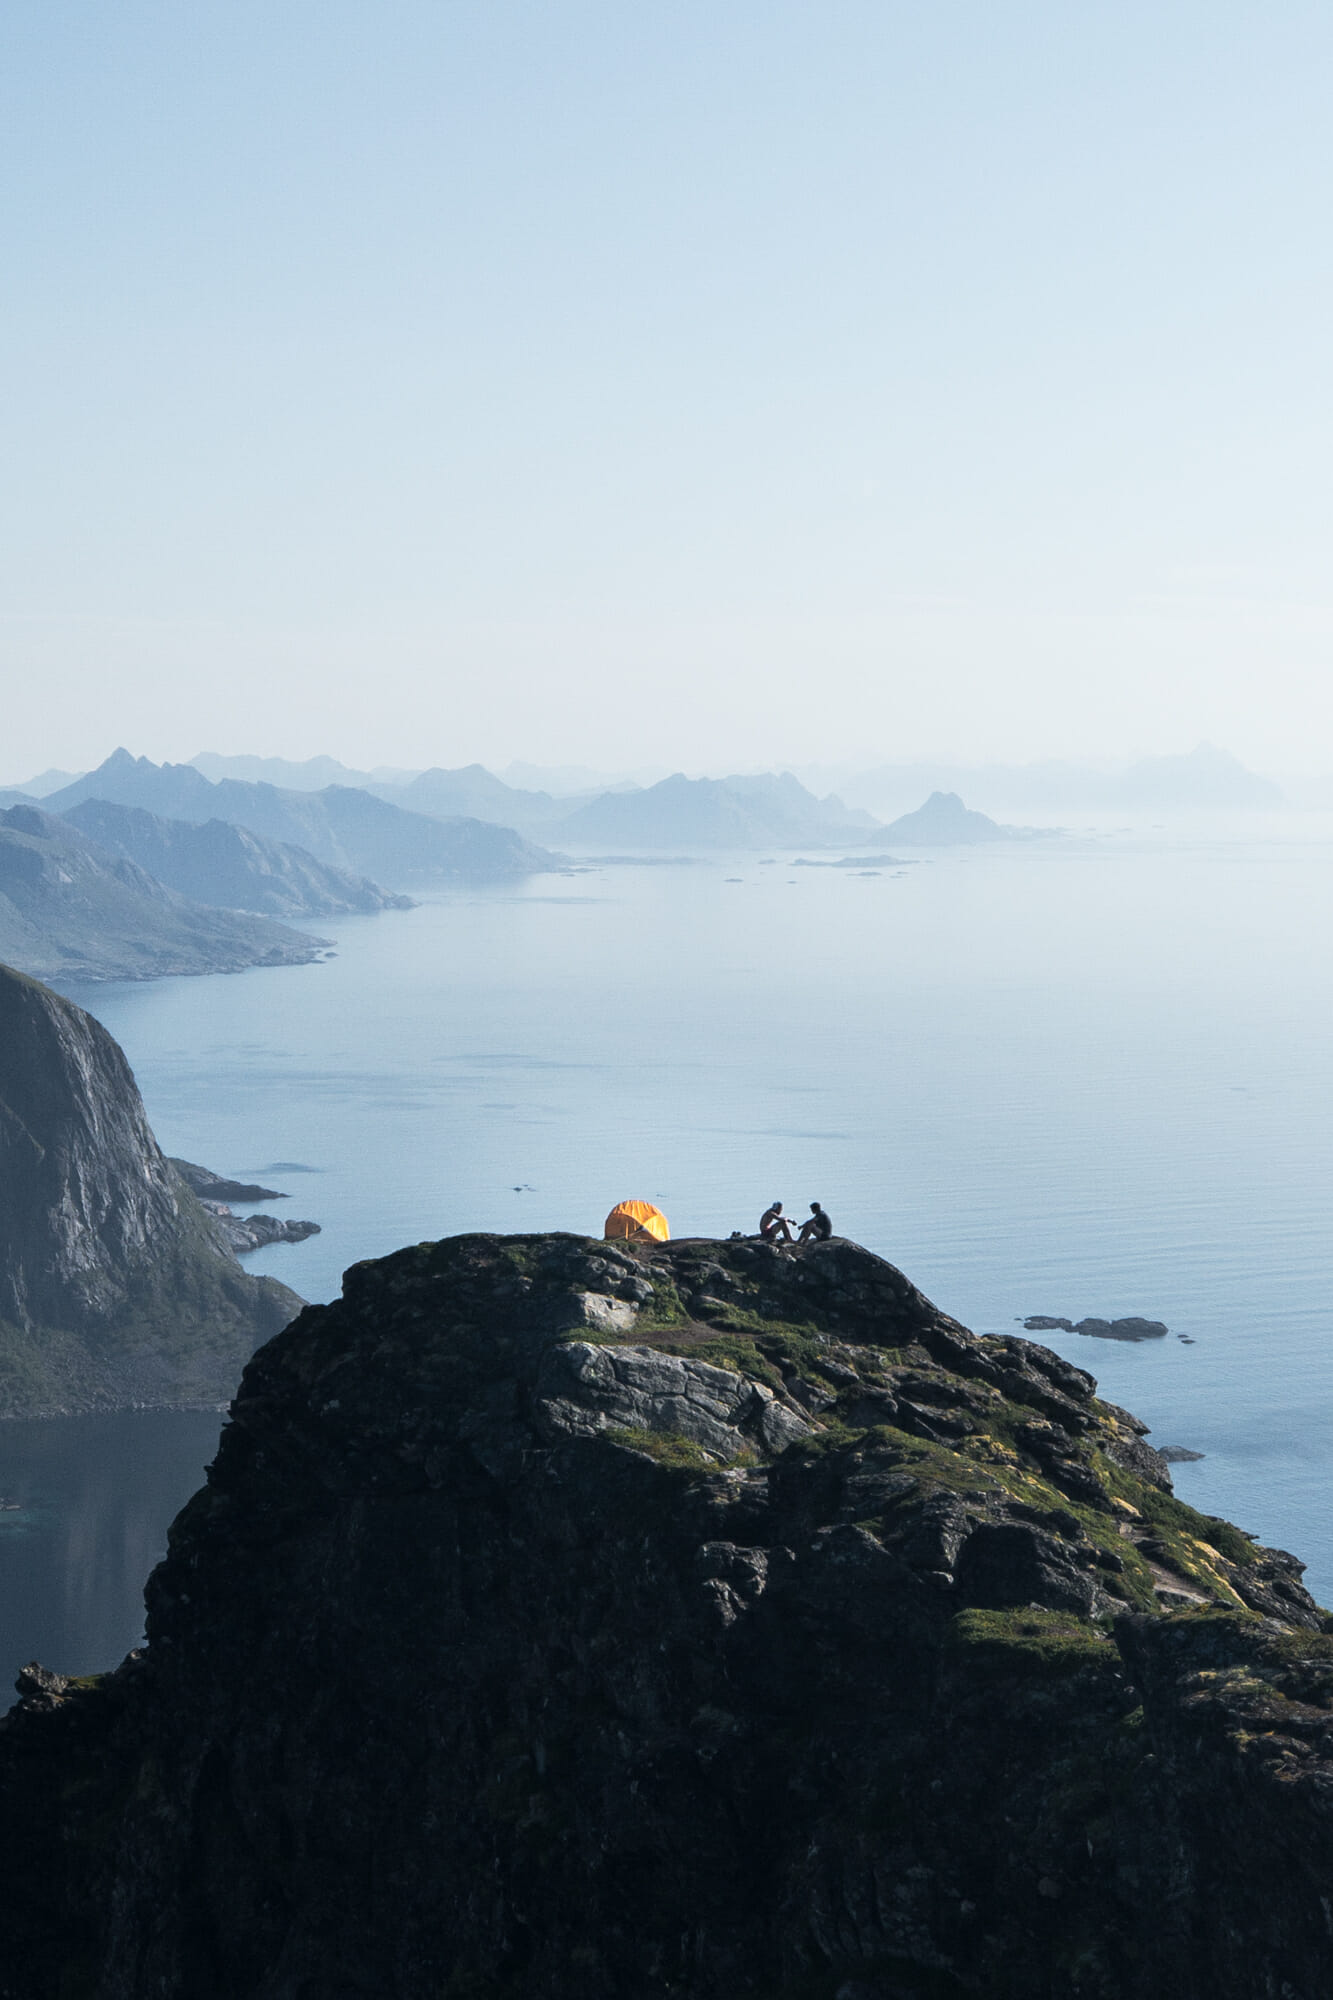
(1075, 1076)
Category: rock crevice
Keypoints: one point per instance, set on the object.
(757, 1630)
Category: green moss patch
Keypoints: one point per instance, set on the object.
(670, 1449)
(664, 1309)
(1181, 1539)
(1299, 1648)
(1053, 1640)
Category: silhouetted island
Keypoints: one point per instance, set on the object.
(944, 821)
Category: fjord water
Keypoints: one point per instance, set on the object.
(1073, 1076)
(87, 1501)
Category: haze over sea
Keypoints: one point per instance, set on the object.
(1083, 1075)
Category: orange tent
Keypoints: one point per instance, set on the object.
(639, 1221)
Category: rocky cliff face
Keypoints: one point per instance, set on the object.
(562, 1620)
(115, 1288)
(69, 910)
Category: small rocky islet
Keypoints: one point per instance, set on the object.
(243, 1233)
(565, 1621)
(1132, 1327)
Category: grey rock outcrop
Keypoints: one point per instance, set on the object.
(244, 1233)
(508, 1652)
(115, 1286)
(584, 1389)
(1132, 1327)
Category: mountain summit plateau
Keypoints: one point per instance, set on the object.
(569, 1621)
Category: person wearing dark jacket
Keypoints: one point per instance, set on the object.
(818, 1226)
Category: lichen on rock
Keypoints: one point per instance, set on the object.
(563, 1619)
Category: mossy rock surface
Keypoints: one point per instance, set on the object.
(566, 1620)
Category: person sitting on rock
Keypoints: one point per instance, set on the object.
(818, 1226)
(773, 1224)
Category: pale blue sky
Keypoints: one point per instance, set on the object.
(701, 384)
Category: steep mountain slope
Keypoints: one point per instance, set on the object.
(341, 825)
(219, 863)
(115, 1287)
(70, 910)
(568, 1621)
(714, 812)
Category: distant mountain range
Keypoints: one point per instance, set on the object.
(439, 826)
(1206, 779)
(341, 826)
(768, 810)
(475, 792)
(38, 787)
(213, 861)
(468, 825)
(732, 812)
(565, 803)
(562, 781)
(70, 910)
(308, 774)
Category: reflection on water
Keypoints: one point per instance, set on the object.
(95, 1497)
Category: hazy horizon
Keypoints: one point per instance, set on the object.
(736, 389)
(529, 775)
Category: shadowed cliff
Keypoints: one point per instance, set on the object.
(565, 1619)
(115, 1285)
